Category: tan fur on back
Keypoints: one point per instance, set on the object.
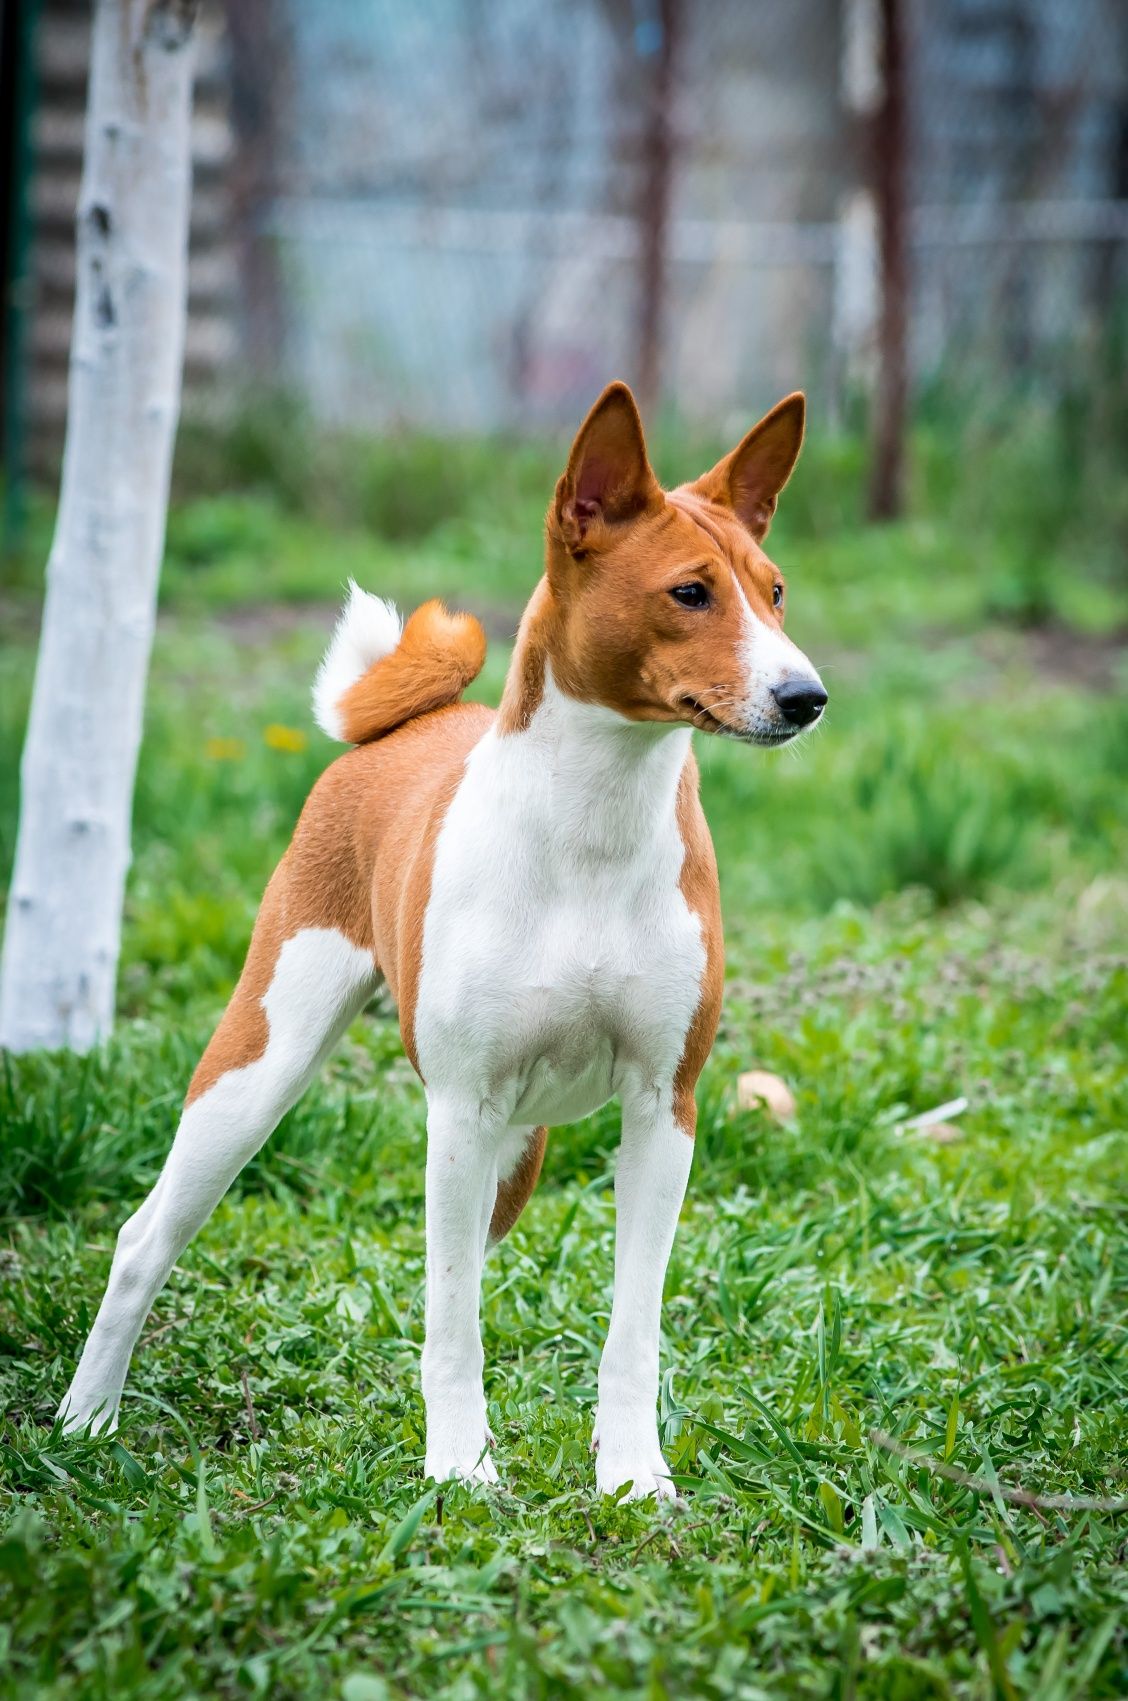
(359, 862)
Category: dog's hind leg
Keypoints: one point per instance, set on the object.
(518, 1173)
(295, 997)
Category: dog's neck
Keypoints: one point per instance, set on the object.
(611, 784)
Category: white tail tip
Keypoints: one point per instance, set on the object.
(369, 629)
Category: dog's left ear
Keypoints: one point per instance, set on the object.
(750, 479)
(608, 477)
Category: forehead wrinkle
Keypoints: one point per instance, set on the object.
(715, 523)
(703, 515)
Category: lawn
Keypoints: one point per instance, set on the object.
(895, 1366)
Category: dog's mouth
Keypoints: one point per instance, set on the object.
(706, 721)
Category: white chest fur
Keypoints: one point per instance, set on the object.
(560, 960)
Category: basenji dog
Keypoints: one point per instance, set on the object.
(536, 886)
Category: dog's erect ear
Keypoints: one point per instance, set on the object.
(750, 479)
(608, 477)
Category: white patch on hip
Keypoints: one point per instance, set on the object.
(319, 975)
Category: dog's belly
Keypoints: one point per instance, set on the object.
(565, 1039)
(561, 1088)
(551, 1021)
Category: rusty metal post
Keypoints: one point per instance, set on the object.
(890, 174)
(260, 87)
(655, 188)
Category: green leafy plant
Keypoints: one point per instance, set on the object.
(921, 817)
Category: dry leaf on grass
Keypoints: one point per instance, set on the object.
(942, 1132)
(758, 1089)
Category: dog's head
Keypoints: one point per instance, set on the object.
(668, 607)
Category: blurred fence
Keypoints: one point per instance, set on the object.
(466, 198)
(469, 214)
(483, 212)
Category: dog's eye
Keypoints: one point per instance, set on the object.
(777, 596)
(693, 595)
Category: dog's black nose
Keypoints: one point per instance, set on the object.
(800, 701)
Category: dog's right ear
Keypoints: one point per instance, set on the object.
(608, 477)
(750, 479)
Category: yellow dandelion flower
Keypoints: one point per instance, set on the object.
(289, 738)
(225, 749)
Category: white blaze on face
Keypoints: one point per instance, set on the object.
(769, 660)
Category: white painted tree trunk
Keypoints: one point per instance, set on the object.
(856, 303)
(59, 965)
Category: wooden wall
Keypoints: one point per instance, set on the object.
(62, 56)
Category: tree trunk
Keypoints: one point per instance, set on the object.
(887, 477)
(63, 931)
(260, 86)
(856, 299)
(656, 170)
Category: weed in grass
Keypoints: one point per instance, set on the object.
(924, 819)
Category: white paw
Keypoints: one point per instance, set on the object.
(99, 1416)
(647, 1476)
(461, 1463)
(626, 1451)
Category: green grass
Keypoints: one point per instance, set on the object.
(927, 900)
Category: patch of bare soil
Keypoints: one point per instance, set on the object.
(1057, 653)
(251, 622)
(1060, 653)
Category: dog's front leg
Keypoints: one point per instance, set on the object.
(654, 1162)
(461, 1191)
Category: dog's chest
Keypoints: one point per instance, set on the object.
(555, 967)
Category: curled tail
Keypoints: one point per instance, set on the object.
(378, 673)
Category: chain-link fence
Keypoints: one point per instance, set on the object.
(1019, 175)
(469, 214)
(482, 212)
(474, 214)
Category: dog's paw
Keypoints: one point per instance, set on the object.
(461, 1463)
(100, 1417)
(627, 1450)
(631, 1454)
(647, 1477)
